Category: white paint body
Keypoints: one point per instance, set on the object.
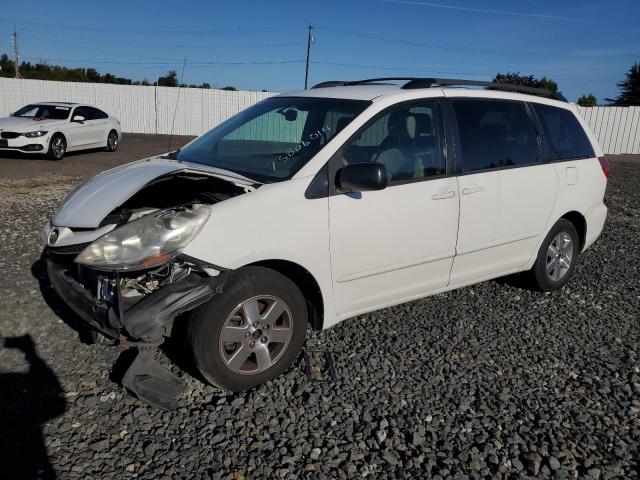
(390, 246)
(78, 135)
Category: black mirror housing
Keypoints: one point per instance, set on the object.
(362, 177)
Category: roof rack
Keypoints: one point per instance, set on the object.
(418, 82)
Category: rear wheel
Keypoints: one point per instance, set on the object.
(112, 141)
(57, 147)
(252, 332)
(557, 257)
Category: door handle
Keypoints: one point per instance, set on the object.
(472, 189)
(442, 196)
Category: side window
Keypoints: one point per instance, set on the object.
(495, 134)
(94, 113)
(407, 140)
(564, 134)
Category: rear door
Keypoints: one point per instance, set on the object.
(395, 244)
(98, 124)
(507, 193)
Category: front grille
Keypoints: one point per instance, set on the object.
(69, 249)
(9, 135)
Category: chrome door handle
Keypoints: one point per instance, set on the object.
(442, 196)
(472, 189)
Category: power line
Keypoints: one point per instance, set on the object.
(379, 38)
(176, 62)
(163, 45)
(161, 31)
(404, 69)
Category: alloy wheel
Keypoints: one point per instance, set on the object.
(113, 140)
(559, 256)
(256, 334)
(58, 147)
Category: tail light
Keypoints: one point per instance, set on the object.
(605, 166)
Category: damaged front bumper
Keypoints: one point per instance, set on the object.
(148, 317)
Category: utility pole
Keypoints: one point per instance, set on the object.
(16, 55)
(309, 42)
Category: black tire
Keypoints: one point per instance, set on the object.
(547, 281)
(57, 147)
(112, 141)
(206, 325)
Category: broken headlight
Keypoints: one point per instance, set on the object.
(146, 242)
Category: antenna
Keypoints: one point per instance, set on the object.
(175, 112)
(310, 40)
(16, 55)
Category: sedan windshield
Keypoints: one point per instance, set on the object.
(272, 140)
(52, 112)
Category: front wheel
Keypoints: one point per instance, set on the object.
(57, 147)
(557, 257)
(250, 333)
(112, 141)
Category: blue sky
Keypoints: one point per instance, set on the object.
(585, 46)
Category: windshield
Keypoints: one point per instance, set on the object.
(273, 139)
(52, 112)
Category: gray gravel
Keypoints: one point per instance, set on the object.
(489, 381)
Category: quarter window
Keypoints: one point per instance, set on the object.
(495, 134)
(565, 135)
(407, 140)
(94, 113)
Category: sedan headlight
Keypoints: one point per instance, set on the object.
(36, 134)
(146, 242)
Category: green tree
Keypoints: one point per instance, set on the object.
(589, 100)
(630, 89)
(527, 81)
(169, 80)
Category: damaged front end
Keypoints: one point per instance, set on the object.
(124, 273)
(137, 305)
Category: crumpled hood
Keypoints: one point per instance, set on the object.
(18, 124)
(89, 203)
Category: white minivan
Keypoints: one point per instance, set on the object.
(312, 207)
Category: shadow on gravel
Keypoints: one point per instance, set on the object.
(55, 303)
(27, 401)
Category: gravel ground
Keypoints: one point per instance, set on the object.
(488, 381)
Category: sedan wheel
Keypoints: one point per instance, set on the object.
(112, 141)
(57, 147)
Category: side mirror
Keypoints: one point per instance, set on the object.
(362, 177)
(78, 118)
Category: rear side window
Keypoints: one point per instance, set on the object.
(565, 136)
(94, 113)
(495, 134)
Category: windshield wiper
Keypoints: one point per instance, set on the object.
(173, 155)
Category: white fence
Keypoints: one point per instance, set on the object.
(617, 128)
(140, 109)
(151, 109)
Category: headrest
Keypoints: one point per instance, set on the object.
(423, 124)
(402, 125)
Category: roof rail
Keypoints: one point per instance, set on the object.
(418, 82)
